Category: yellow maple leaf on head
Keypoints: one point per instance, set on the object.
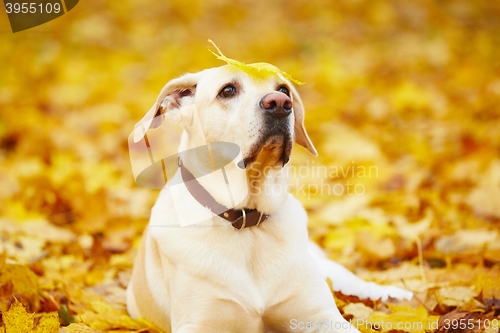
(258, 69)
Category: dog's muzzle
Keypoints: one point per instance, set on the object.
(276, 133)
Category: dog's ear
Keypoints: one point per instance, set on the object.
(173, 95)
(300, 133)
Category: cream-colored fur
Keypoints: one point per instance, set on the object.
(210, 277)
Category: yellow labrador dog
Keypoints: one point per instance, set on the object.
(249, 266)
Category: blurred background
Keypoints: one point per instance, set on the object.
(410, 89)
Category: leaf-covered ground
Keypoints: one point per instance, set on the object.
(402, 102)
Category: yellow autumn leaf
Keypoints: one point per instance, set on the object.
(377, 249)
(17, 320)
(402, 318)
(103, 316)
(49, 323)
(79, 328)
(24, 283)
(484, 198)
(358, 310)
(259, 69)
(488, 285)
(455, 296)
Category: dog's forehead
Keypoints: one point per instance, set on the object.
(214, 78)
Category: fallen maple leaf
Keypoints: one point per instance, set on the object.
(18, 280)
(49, 323)
(17, 320)
(489, 286)
(79, 328)
(484, 198)
(103, 316)
(466, 240)
(358, 310)
(455, 296)
(402, 318)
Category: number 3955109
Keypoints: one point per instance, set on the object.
(470, 323)
(32, 8)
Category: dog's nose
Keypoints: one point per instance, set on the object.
(277, 105)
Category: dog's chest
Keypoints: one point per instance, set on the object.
(253, 265)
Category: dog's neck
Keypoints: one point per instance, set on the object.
(268, 185)
(260, 186)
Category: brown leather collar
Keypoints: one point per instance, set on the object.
(239, 218)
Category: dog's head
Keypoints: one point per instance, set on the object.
(262, 115)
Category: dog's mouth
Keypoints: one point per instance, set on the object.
(273, 148)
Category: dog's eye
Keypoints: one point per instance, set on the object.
(284, 90)
(227, 91)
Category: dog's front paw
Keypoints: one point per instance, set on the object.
(362, 289)
(349, 284)
(375, 291)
